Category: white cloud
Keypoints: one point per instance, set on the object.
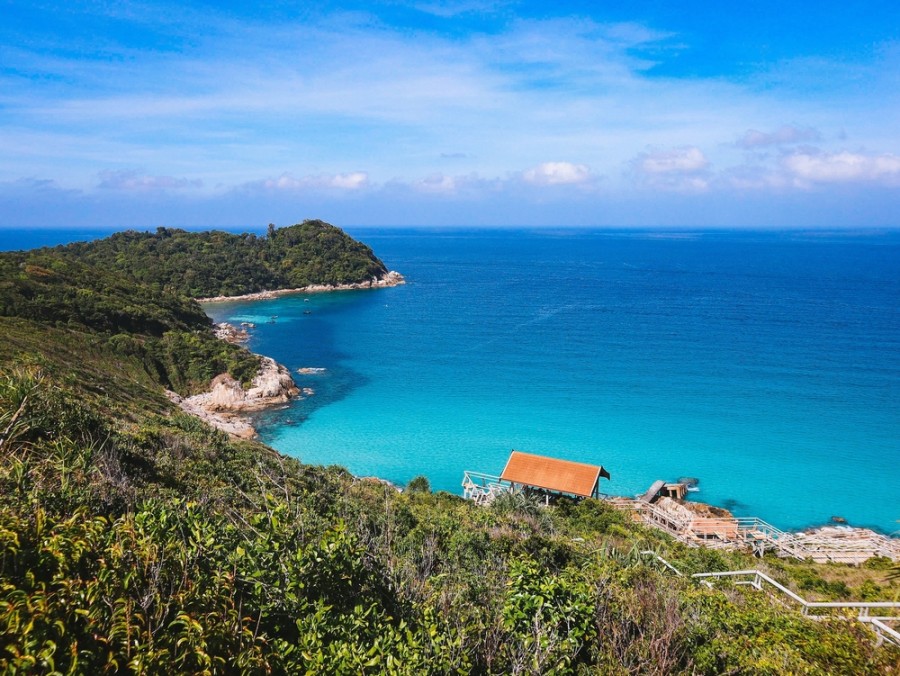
(465, 186)
(684, 169)
(352, 181)
(783, 136)
(558, 173)
(355, 180)
(843, 167)
(451, 8)
(689, 159)
(751, 178)
(284, 182)
(437, 184)
(130, 180)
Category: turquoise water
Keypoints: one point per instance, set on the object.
(766, 365)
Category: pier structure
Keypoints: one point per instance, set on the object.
(662, 507)
(826, 545)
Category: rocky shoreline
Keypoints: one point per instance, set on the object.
(391, 278)
(227, 402)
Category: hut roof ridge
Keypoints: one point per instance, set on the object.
(553, 474)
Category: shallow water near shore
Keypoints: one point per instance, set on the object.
(765, 364)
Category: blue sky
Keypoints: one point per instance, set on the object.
(444, 112)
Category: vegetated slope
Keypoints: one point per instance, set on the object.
(168, 333)
(157, 545)
(133, 538)
(204, 264)
(47, 287)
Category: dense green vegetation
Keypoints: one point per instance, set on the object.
(169, 334)
(135, 539)
(49, 288)
(205, 264)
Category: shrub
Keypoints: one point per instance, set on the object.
(419, 484)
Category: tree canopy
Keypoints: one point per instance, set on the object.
(214, 263)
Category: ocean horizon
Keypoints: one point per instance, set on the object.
(766, 364)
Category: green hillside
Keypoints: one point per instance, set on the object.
(169, 334)
(135, 539)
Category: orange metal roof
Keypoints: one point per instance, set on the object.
(563, 476)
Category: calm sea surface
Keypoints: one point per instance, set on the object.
(765, 365)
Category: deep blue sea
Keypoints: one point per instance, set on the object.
(767, 365)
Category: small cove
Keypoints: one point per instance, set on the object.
(767, 365)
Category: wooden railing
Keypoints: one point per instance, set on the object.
(650, 552)
(483, 488)
(672, 523)
(861, 609)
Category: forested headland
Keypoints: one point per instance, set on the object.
(215, 263)
(135, 539)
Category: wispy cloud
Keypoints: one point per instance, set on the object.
(453, 8)
(558, 173)
(30, 185)
(131, 180)
(754, 178)
(352, 181)
(844, 167)
(438, 183)
(679, 169)
(362, 87)
(522, 107)
(782, 136)
(678, 161)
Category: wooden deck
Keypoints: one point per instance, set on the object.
(834, 545)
